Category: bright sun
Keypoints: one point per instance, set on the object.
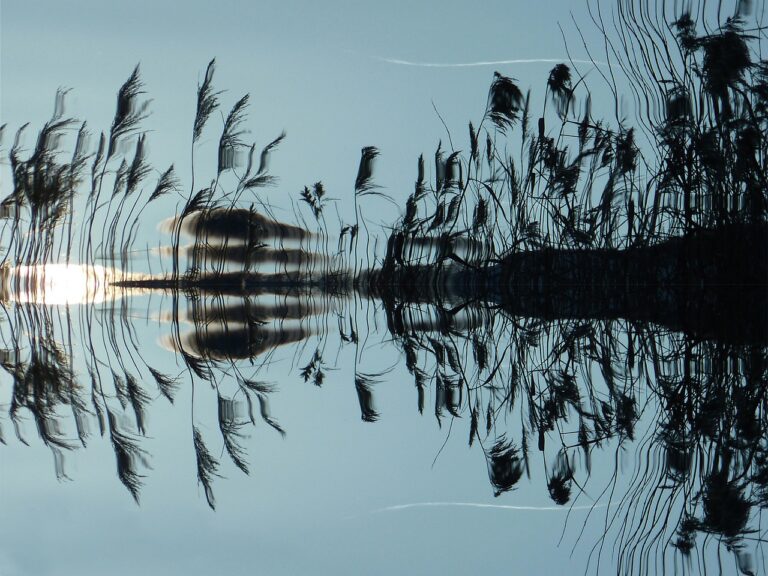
(58, 284)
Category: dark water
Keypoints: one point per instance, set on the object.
(297, 432)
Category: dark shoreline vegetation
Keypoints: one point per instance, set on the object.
(566, 286)
(573, 222)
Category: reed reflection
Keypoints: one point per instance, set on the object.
(565, 394)
(222, 328)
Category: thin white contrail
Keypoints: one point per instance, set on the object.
(486, 62)
(399, 507)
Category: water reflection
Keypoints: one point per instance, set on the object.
(566, 394)
(68, 284)
(227, 328)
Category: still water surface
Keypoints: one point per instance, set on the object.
(297, 432)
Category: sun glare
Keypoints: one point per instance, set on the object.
(59, 284)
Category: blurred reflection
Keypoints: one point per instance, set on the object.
(63, 284)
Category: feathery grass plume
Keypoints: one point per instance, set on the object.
(207, 101)
(726, 507)
(439, 398)
(265, 153)
(131, 176)
(260, 181)
(120, 390)
(13, 154)
(343, 231)
(249, 165)
(167, 385)
(453, 171)
(199, 201)
(626, 151)
(96, 166)
(364, 185)
(489, 150)
(168, 182)
(139, 400)
(438, 218)
(678, 105)
(128, 454)
(726, 62)
(364, 387)
(504, 102)
(560, 88)
(231, 431)
(49, 138)
(129, 112)
(266, 414)
(262, 389)
(439, 167)
(480, 216)
(207, 466)
(312, 201)
(79, 157)
(473, 143)
(230, 141)
(199, 366)
(420, 188)
(505, 467)
(585, 124)
(453, 209)
(452, 394)
(411, 210)
(314, 363)
(121, 176)
(480, 352)
(364, 182)
(474, 419)
(139, 167)
(319, 190)
(526, 120)
(686, 33)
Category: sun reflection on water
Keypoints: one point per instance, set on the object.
(61, 284)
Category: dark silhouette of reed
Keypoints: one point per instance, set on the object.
(582, 202)
(585, 203)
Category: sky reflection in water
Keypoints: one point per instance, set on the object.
(308, 421)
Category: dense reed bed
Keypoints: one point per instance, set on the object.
(548, 194)
(556, 196)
